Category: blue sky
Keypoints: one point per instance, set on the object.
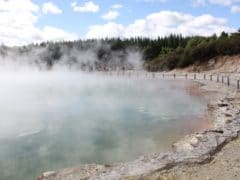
(41, 20)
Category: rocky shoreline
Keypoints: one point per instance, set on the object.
(197, 148)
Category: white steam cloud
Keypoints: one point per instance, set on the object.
(69, 56)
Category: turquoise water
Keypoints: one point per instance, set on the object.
(59, 119)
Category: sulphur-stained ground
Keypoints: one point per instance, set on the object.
(224, 166)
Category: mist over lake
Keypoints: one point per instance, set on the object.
(57, 119)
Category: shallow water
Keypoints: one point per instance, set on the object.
(52, 120)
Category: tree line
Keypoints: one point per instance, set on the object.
(160, 54)
(198, 50)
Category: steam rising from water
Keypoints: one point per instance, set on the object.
(57, 119)
(54, 114)
(87, 56)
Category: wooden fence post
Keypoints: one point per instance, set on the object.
(174, 76)
(217, 78)
(228, 81)
(153, 75)
(210, 77)
(238, 85)
(222, 79)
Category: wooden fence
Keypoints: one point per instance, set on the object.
(228, 80)
(219, 78)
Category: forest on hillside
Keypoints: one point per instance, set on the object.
(161, 54)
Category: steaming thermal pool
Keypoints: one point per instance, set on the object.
(52, 120)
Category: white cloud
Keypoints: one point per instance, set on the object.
(163, 23)
(18, 6)
(49, 32)
(216, 2)
(88, 6)
(117, 6)
(51, 8)
(107, 30)
(235, 9)
(18, 24)
(223, 2)
(227, 3)
(111, 15)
